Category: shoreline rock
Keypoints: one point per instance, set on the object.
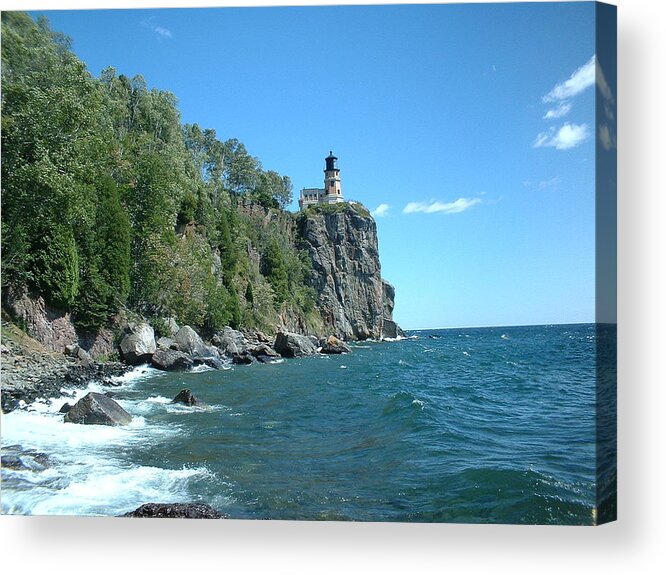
(175, 511)
(97, 409)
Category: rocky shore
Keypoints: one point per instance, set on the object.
(29, 370)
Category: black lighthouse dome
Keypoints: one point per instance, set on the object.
(331, 162)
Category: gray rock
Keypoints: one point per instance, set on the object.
(97, 409)
(188, 341)
(72, 349)
(231, 342)
(139, 344)
(352, 298)
(65, 408)
(264, 350)
(171, 360)
(165, 343)
(333, 345)
(84, 357)
(293, 345)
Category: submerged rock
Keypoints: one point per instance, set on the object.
(138, 345)
(333, 345)
(293, 345)
(171, 360)
(176, 511)
(186, 397)
(97, 409)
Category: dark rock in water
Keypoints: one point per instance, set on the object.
(333, 345)
(176, 511)
(138, 345)
(267, 358)
(186, 397)
(26, 460)
(97, 409)
(264, 350)
(243, 358)
(293, 345)
(65, 408)
(211, 361)
(171, 360)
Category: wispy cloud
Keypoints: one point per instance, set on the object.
(159, 31)
(580, 80)
(567, 137)
(559, 111)
(381, 211)
(434, 207)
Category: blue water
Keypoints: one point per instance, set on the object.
(459, 425)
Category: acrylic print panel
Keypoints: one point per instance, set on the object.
(202, 210)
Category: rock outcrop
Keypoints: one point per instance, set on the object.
(293, 345)
(333, 345)
(171, 360)
(354, 301)
(97, 409)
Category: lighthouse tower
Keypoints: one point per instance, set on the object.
(332, 189)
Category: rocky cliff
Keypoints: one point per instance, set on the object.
(354, 301)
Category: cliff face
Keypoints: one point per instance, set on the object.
(354, 301)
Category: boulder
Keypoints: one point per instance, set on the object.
(293, 345)
(97, 409)
(65, 408)
(244, 358)
(176, 511)
(264, 350)
(139, 344)
(188, 341)
(230, 342)
(171, 360)
(84, 357)
(166, 343)
(333, 345)
(72, 349)
(186, 397)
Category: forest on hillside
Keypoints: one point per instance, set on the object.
(110, 204)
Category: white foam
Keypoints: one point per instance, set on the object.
(139, 373)
(88, 472)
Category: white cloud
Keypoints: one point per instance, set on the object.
(433, 207)
(561, 110)
(580, 80)
(567, 137)
(160, 31)
(380, 211)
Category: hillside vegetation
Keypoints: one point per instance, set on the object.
(110, 204)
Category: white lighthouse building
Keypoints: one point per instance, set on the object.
(331, 193)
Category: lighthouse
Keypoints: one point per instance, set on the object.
(331, 193)
(332, 188)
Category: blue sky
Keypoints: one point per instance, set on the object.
(467, 129)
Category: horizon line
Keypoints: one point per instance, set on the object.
(510, 325)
